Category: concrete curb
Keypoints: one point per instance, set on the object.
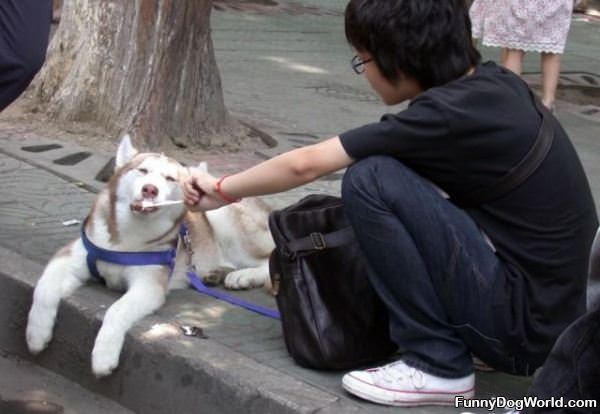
(167, 373)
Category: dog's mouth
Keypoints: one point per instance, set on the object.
(140, 208)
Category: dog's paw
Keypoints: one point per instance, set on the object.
(105, 359)
(217, 276)
(244, 279)
(37, 340)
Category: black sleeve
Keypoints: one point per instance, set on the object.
(419, 133)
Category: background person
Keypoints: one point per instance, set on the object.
(526, 26)
(571, 370)
(24, 32)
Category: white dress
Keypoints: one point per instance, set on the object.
(528, 25)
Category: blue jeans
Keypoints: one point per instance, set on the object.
(432, 267)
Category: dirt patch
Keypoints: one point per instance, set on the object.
(578, 88)
(234, 3)
(579, 95)
(19, 118)
(272, 6)
(574, 94)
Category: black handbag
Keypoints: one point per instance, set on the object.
(331, 316)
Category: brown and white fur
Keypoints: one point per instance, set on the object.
(231, 243)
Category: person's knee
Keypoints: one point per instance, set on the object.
(369, 173)
(359, 176)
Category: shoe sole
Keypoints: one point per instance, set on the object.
(440, 399)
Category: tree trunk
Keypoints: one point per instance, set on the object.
(141, 66)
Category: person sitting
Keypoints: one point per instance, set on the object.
(500, 279)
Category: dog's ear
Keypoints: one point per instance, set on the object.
(203, 166)
(125, 152)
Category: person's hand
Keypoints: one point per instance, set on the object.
(199, 191)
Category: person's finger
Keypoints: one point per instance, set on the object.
(192, 198)
(189, 189)
(197, 187)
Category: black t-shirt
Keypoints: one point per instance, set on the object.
(464, 136)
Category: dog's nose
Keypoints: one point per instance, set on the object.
(149, 191)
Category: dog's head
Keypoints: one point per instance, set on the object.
(141, 179)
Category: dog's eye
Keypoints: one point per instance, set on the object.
(143, 170)
(169, 178)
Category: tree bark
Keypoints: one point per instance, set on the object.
(141, 66)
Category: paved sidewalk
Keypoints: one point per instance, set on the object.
(285, 70)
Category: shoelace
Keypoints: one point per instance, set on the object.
(399, 371)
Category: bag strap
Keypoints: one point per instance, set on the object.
(527, 166)
(321, 241)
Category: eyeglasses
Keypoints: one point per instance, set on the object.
(358, 64)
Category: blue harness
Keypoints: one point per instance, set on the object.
(95, 253)
(164, 257)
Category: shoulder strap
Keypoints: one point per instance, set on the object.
(527, 166)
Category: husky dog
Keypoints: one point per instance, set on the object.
(231, 244)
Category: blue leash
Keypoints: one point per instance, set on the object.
(253, 307)
(197, 283)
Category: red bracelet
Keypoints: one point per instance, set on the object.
(222, 194)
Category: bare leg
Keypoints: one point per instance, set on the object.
(513, 60)
(503, 55)
(550, 74)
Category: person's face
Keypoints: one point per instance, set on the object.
(391, 93)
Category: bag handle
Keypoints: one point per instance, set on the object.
(527, 166)
(320, 241)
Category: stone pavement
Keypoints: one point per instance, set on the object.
(285, 71)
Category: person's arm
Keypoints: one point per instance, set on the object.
(280, 173)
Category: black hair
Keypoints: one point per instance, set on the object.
(428, 40)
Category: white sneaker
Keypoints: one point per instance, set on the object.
(401, 385)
